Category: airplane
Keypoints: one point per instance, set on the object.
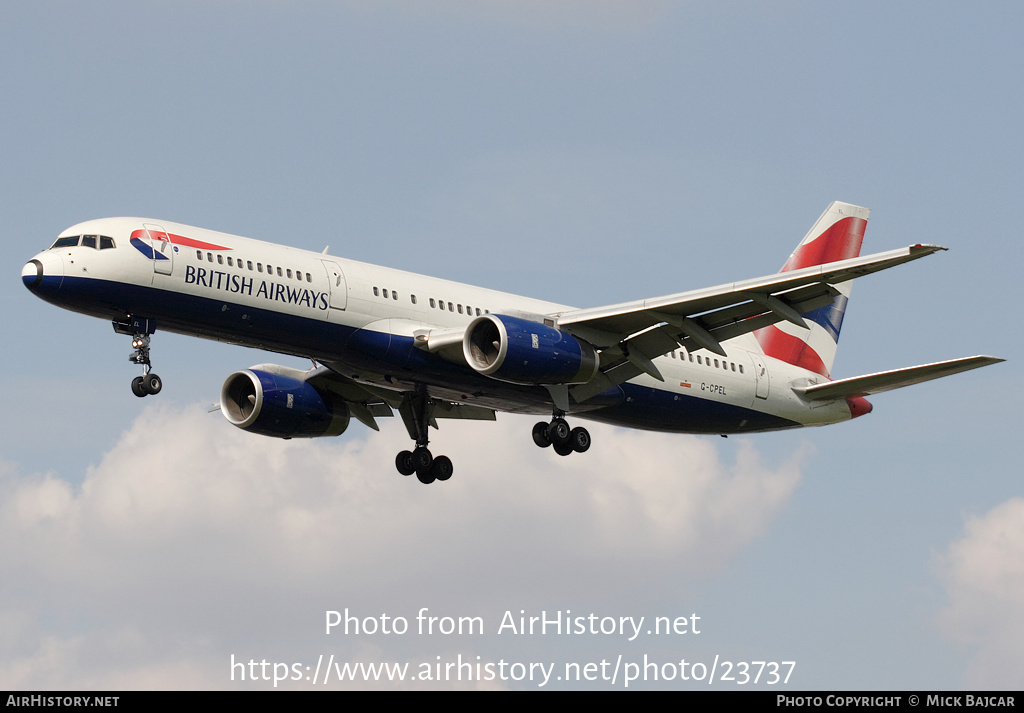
(742, 357)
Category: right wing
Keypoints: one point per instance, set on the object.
(629, 335)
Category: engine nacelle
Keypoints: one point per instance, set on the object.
(280, 406)
(524, 352)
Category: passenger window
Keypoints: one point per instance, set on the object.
(460, 309)
(249, 264)
(289, 273)
(394, 295)
(230, 264)
(376, 292)
(279, 272)
(220, 259)
(259, 267)
(450, 307)
(413, 298)
(741, 368)
(209, 257)
(440, 304)
(432, 305)
(199, 254)
(309, 278)
(385, 294)
(698, 359)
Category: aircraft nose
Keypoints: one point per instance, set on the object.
(45, 270)
(32, 274)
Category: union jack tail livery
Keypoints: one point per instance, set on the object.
(837, 235)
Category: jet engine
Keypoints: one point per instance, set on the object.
(276, 405)
(523, 352)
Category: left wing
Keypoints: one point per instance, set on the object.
(631, 334)
(369, 402)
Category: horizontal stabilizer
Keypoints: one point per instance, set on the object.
(895, 379)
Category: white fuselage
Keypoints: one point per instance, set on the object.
(364, 319)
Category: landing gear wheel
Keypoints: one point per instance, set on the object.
(421, 461)
(137, 388)
(579, 439)
(562, 449)
(426, 477)
(152, 384)
(558, 431)
(442, 468)
(403, 461)
(540, 435)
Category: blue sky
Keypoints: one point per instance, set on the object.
(582, 152)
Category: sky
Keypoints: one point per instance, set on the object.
(585, 153)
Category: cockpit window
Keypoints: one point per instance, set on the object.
(66, 242)
(106, 243)
(89, 241)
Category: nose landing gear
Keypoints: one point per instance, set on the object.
(140, 330)
(149, 383)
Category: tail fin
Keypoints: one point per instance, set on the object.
(837, 235)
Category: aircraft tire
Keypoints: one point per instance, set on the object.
(579, 439)
(137, 387)
(421, 461)
(442, 468)
(540, 435)
(426, 477)
(558, 431)
(152, 384)
(403, 461)
(562, 449)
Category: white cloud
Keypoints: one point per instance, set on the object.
(192, 540)
(984, 575)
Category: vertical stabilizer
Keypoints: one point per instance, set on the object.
(837, 235)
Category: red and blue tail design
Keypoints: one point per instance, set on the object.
(837, 235)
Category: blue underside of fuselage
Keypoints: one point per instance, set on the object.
(365, 352)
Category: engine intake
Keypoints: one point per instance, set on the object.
(280, 406)
(523, 352)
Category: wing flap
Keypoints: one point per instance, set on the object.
(447, 409)
(895, 379)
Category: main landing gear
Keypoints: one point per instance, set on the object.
(559, 436)
(426, 467)
(415, 411)
(149, 383)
